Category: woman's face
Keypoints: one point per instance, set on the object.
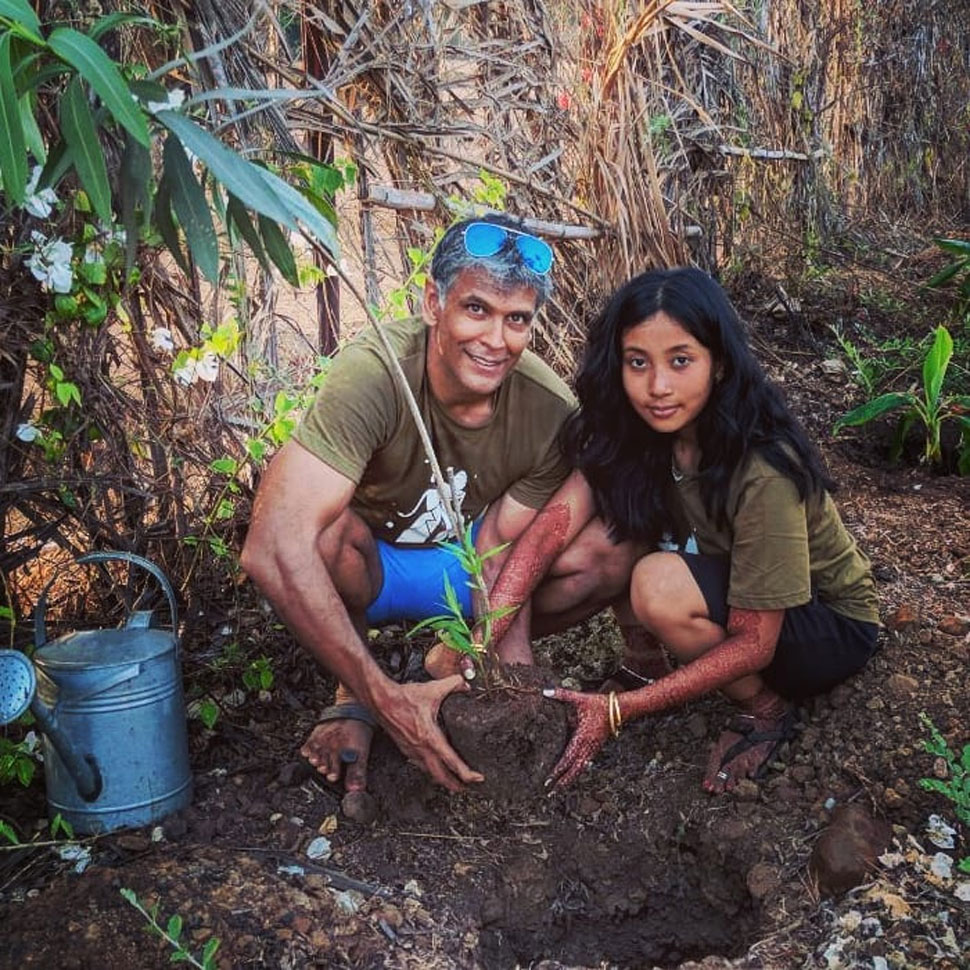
(667, 374)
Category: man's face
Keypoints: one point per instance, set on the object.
(477, 334)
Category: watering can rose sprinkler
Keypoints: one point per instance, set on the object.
(112, 712)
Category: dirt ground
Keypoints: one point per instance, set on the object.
(634, 865)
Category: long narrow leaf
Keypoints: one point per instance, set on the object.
(32, 136)
(81, 135)
(192, 209)
(239, 217)
(873, 409)
(58, 164)
(935, 365)
(13, 148)
(278, 250)
(298, 208)
(102, 74)
(19, 11)
(959, 247)
(947, 273)
(135, 192)
(114, 20)
(166, 224)
(239, 176)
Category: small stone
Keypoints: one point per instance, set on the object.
(875, 704)
(892, 798)
(319, 848)
(902, 618)
(846, 852)
(954, 626)
(925, 637)
(133, 842)
(746, 790)
(803, 774)
(902, 685)
(762, 880)
(940, 768)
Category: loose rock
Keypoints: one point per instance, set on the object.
(847, 850)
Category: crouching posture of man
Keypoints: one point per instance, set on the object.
(346, 518)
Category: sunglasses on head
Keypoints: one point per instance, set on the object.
(486, 239)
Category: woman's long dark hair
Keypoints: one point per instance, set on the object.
(627, 463)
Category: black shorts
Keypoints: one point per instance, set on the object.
(817, 647)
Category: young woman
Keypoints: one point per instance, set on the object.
(755, 586)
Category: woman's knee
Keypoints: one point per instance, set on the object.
(659, 589)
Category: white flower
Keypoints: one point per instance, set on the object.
(207, 368)
(175, 99)
(27, 432)
(185, 374)
(51, 263)
(939, 832)
(162, 339)
(40, 203)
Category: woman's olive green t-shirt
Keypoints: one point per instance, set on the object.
(781, 548)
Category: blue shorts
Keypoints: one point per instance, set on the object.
(413, 588)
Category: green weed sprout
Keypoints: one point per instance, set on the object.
(452, 628)
(956, 272)
(172, 933)
(930, 407)
(957, 786)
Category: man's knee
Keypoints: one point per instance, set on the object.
(349, 551)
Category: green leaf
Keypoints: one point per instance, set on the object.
(903, 428)
(8, 832)
(239, 176)
(25, 771)
(959, 247)
(114, 20)
(209, 713)
(209, 950)
(58, 164)
(192, 209)
(298, 207)
(279, 250)
(103, 75)
(946, 274)
(239, 217)
(135, 192)
(32, 136)
(225, 466)
(13, 147)
(873, 409)
(166, 224)
(19, 11)
(81, 135)
(174, 928)
(935, 365)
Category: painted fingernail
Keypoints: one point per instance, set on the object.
(548, 692)
(348, 756)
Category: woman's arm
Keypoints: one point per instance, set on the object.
(748, 648)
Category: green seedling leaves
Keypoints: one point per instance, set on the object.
(81, 135)
(935, 365)
(87, 58)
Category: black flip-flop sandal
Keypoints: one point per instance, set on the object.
(743, 724)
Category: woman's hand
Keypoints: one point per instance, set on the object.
(592, 729)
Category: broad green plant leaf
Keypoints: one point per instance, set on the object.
(85, 56)
(935, 365)
(81, 135)
(239, 176)
(13, 147)
(873, 409)
(278, 250)
(959, 247)
(192, 209)
(20, 12)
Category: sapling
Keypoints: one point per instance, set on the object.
(453, 629)
(172, 932)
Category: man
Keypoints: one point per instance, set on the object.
(345, 520)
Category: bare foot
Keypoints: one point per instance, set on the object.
(744, 749)
(343, 746)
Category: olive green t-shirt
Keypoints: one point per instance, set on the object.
(359, 424)
(781, 548)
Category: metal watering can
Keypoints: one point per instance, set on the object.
(112, 712)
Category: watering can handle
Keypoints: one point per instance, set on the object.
(40, 611)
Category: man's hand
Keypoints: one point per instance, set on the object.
(410, 717)
(592, 729)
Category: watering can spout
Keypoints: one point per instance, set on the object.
(18, 691)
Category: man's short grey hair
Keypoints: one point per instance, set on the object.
(506, 267)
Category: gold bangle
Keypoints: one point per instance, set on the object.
(616, 719)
